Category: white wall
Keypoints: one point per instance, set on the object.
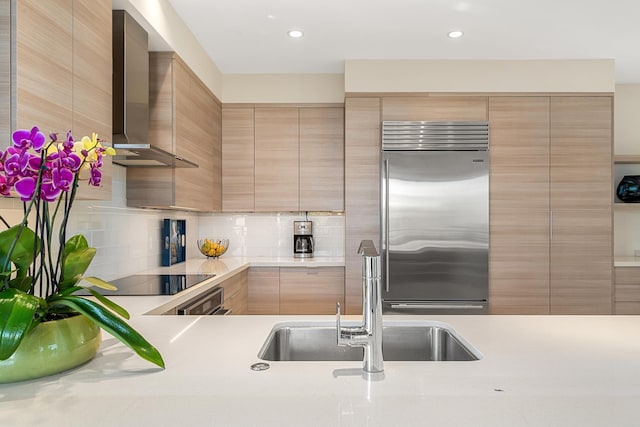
(283, 88)
(479, 76)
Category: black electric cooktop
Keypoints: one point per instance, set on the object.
(154, 284)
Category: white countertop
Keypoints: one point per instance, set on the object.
(535, 371)
(626, 261)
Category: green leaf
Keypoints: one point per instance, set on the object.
(75, 243)
(17, 317)
(99, 283)
(23, 252)
(112, 324)
(110, 304)
(21, 283)
(75, 264)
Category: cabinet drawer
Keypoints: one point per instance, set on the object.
(264, 290)
(311, 290)
(627, 283)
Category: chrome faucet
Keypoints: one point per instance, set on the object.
(369, 334)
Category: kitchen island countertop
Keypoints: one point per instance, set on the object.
(535, 371)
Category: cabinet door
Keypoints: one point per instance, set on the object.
(237, 159)
(519, 205)
(627, 290)
(214, 113)
(276, 159)
(264, 290)
(92, 70)
(321, 159)
(44, 65)
(311, 290)
(236, 293)
(436, 108)
(581, 194)
(581, 264)
(362, 190)
(194, 140)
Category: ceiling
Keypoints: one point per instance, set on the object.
(250, 36)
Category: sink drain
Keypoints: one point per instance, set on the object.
(260, 366)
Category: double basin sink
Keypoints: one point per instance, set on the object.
(401, 341)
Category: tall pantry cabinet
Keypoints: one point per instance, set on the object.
(550, 205)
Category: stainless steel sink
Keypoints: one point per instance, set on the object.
(401, 341)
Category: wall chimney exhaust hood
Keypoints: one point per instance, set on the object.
(131, 99)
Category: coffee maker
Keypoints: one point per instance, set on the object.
(302, 239)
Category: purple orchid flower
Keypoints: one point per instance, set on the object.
(25, 139)
(95, 177)
(16, 163)
(25, 187)
(62, 179)
(5, 186)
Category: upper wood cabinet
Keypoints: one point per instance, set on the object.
(184, 118)
(238, 160)
(322, 159)
(282, 158)
(434, 108)
(62, 74)
(276, 159)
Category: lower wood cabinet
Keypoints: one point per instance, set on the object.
(293, 290)
(627, 290)
(236, 293)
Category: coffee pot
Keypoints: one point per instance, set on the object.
(302, 239)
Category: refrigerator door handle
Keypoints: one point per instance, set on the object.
(437, 306)
(385, 224)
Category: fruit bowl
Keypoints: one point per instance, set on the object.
(213, 248)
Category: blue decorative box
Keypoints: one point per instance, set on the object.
(173, 241)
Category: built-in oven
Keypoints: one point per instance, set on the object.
(207, 303)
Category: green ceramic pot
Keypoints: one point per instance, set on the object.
(52, 347)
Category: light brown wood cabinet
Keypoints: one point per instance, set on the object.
(236, 293)
(276, 159)
(519, 205)
(581, 194)
(362, 190)
(551, 236)
(264, 290)
(184, 119)
(61, 76)
(627, 290)
(238, 160)
(294, 290)
(282, 158)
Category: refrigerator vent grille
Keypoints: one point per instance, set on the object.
(415, 135)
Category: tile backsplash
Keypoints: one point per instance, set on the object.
(271, 234)
(128, 240)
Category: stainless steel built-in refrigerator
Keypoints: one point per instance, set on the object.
(435, 217)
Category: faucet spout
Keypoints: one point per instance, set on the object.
(369, 334)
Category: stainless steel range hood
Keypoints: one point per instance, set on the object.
(131, 98)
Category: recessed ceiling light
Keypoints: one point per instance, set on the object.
(296, 34)
(455, 34)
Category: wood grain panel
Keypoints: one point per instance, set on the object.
(276, 159)
(215, 113)
(581, 152)
(627, 284)
(321, 159)
(236, 293)
(5, 74)
(362, 190)
(311, 290)
(237, 159)
(92, 70)
(627, 307)
(44, 64)
(437, 108)
(264, 290)
(519, 205)
(581, 264)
